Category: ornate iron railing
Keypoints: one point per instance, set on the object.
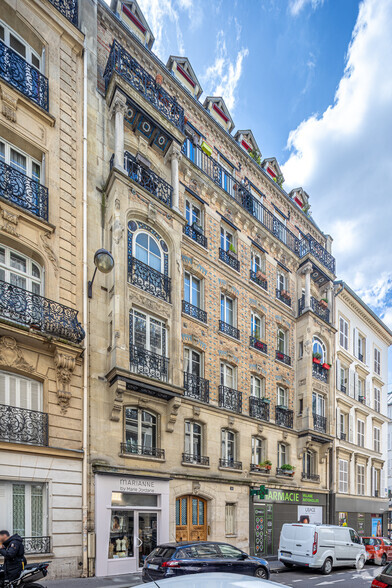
(317, 308)
(148, 179)
(23, 191)
(283, 357)
(37, 544)
(20, 425)
(39, 313)
(127, 67)
(195, 235)
(193, 458)
(257, 344)
(283, 297)
(342, 436)
(309, 245)
(360, 357)
(312, 477)
(343, 389)
(262, 283)
(319, 423)
(196, 387)
(130, 448)
(256, 468)
(319, 372)
(284, 472)
(229, 330)
(148, 279)
(147, 363)
(284, 417)
(24, 77)
(229, 259)
(194, 311)
(259, 408)
(230, 463)
(68, 8)
(230, 399)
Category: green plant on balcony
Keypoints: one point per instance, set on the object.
(255, 154)
(266, 464)
(317, 357)
(232, 250)
(323, 303)
(288, 469)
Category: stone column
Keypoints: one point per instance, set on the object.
(119, 108)
(307, 271)
(175, 157)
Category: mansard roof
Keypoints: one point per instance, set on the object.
(183, 67)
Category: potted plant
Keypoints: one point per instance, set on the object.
(266, 465)
(316, 358)
(198, 228)
(231, 251)
(324, 303)
(261, 275)
(326, 366)
(288, 469)
(206, 148)
(285, 294)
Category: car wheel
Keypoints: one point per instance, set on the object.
(287, 564)
(262, 573)
(327, 567)
(383, 560)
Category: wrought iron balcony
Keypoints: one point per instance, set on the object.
(254, 467)
(195, 235)
(23, 191)
(121, 62)
(229, 258)
(68, 8)
(148, 279)
(319, 372)
(20, 425)
(229, 330)
(360, 357)
(316, 306)
(196, 387)
(259, 408)
(319, 423)
(343, 436)
(230, 463)
(283, 297)
(284, 417)
(196, 459)
(311, 477)
(149, 364)
(39, 313)
(230, 399)
(35, 545)
(283, 357)
(309, 245)
(148, 179)
(343, 389)
(262, 283)
(257, 344)
(132, 449)
(24, 77)
(194, 311)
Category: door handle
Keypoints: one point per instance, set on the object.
(141, 542)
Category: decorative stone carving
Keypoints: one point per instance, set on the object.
(10, 222)
(9, 105)
(152, 304)
(118, 400)
(230, 420)
(11, 355)
(45, 238)
(172, 412)
(65, 365)
(117, 231)
(196, 411)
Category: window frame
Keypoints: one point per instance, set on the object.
(28, 276)
(282, 392)
(230, 531)
(258, 266)
(140, 422)
(258, 447)
(377, 361)
(151, 237)
(360, 433)
(281, 280)
(282, 452)
(360, 479)
(254, 318)
(309, 462)
(254, 388)
(8, 147)
(224, 367)
(343, 476)
(343, 333)
(191, 435)
(377, 399)
(223, 307)
(318, 346)
(16, 388)
(227, 238)
(30, 52)
(228, 439)
(147, 345)
(190, 206)
(280, 339)
(377, 439)
(192, 279)
(318, 401)
(7, 499)
(189, 361)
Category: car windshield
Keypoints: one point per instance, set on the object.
(387, 541)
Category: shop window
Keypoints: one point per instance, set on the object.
(230, 518)
(21, 271)
(24, 508)
(343, 476)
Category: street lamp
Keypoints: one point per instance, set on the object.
(103, 261)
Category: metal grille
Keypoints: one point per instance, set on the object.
(199, 459)
(262, 283)
(196, 387)
(230, 399)
(259, 345)
(283, 297)
(229, 330)
(312, 477)
(229, 259)
(27, 193)
(195, 235)
(148, 279)
(319, 423)
(37, 544)
(148, 363)
(20, 425)
(319, 372)
(194, 311)
(283, 357)
(142, 450)
(230, 463)
(148, 179)
(284, 417)
(315, 305)
(259, 409)
(68, 8)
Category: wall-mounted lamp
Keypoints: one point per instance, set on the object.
(104, 262)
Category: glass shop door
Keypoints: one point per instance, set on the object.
(147, 537)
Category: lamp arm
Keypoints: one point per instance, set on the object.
(90, 285)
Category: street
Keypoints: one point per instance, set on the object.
(347, 577)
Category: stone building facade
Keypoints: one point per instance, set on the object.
(41, 365)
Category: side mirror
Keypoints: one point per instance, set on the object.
(244, 556)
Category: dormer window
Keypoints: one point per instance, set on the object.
(219, 111)
(184, 73)
(133, 18)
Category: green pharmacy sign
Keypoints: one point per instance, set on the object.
(261, 492)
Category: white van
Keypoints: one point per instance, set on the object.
(320, 546)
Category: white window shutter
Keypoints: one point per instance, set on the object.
(368, 399)
(2, 389)
(338, 374)
(355, 342)
(36, 396)
(356, 385)
(351, 428)
(338, 431)
(382, 483)
(351, 382)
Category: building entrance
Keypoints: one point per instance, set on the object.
(191, 519)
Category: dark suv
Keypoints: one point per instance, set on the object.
(177, 559)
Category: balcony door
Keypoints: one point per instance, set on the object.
(20, 392)
(149, 333)
(21, 271)
(147, 251)
(191, 519)
(192, 362)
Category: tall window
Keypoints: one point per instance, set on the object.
(230, 518)
(140, 429)
(282, 396)
(343, 475)
(193, 214)
(281, 342)
(377, 361)
(257, 326)
(360, 480)
(257, 386)
(228, 445)
(318, 404)
(19, 270)
(342, 424)
(361, 347)
(319, 347)
(20, 160)
(282, 454)
(279, 226)
(376, 439)
(308, 463)
(192, 362)
(227, 375)
(258, 452)
(343, 379)
(227, 310)
(148, 333)
(377, 399)
(226, 239)
(361, 388)
(361, 433)
(193, 439)
(227, 181)
(15, 42)
(147, 250)
(24, 508)
(20, 392)
(192, 290)
(281, 281)
(343, 333)
(257, 262)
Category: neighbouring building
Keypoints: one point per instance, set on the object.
(41, 337)
(360, 488)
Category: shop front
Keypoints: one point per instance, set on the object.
(368, 516)
(132, 517)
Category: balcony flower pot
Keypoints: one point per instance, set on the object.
(324, 304)
(326, 366)
(206, 148)
(315, 360)
(259, 344)
(261, 276)
(158, 79)
(232, 252)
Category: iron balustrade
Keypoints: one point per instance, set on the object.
(256, 468)
(257, 344)
(230, 399)
(195, 235)
(285, 298)
(360, 357)
(284, 417)
(362, 399)
(17, 72)
(149, 364)
(262, 283)
(230, 463)
(27, 193)
(196, 459)
(145, 450)
(319, 372)
(259, 408)
(196, 387)
(309, 245)
(311, 477)
(229, 259)
(148, 179)
(37, 544)
(149, 279)
(282, 357)
(229, 330)
(31, 310)
(319, 423)
(343, 389)
(68, 8)
(342, 436)
(21, 425)
(317, 308)
(121, 62)
(194, 311)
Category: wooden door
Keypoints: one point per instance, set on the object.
(191, 519)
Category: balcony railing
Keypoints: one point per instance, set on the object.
(148, 179)
(343, 436)
(259, 408)
(24, 77)
(319, 423)
(257, 344)
(319, 372)
(145, 450)
(285, 298)
(262, 283)
(283, 357)
(196, 459)
(68, 8)
(23, 191)
(20, 425)
(35, 545)
(284, 472)
(230, 399)
(194, 311)
(121, 62)
(311, 477)
(196, 387)
(254, 467)
(231, 260)
(284, 417)
(39, 313)
(149, 364)
(343, 389)
(230, 463)
(148, 279)
(195, 235)
(229, 330)
(309, 245)
(317, 308)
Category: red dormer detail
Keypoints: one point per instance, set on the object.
(220, 112)
(183, 73)
(271, 172)
(246, 145)
(298, 201)
(133, 18)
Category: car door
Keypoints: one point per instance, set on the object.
(236, 561)
(354, 545)
(209, 557)
(342, 546)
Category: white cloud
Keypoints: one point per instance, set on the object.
(343, 159)
(296, 6)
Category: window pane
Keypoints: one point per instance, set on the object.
(35, 172)
(19, 281)
(155, 336)
(18, 262)
(18, 509)
(187, 287)
(36, 510)
(18, 161)
(35, 60)
(16, 45)
(140, 326)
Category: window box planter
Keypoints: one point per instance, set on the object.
(197, 228)
(323, 304)
(261, 276)
(326, 366)
(267, 400)
(206, 148)
(259, 344)
(285, 294)
(315, 360)
(232, 254)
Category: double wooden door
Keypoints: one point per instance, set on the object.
(191, 519)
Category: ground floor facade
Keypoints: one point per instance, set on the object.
(368, 516)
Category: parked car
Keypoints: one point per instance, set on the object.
(384, 579)
(178, 559)
(211, 580)
(378, 549)
(320, 546)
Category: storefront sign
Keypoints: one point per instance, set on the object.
(136, 485)
(291, 497)
(310, 514)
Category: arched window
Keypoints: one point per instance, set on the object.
(319, 349)
(148, 251)
(140, 431)
(19, 270)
